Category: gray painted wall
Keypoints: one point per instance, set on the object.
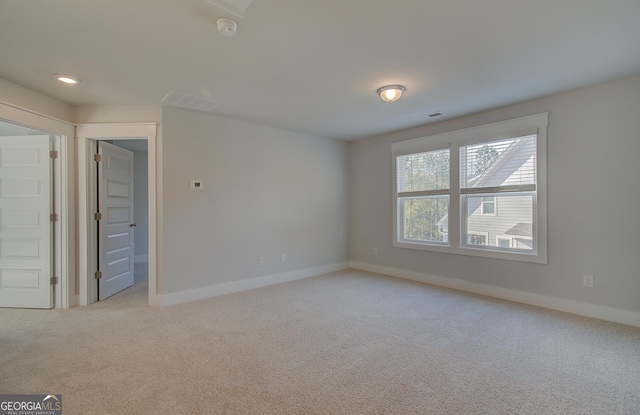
(266, 192)
(593, 199)
(34, 101)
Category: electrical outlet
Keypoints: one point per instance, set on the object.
(283, 258)
(587, 281)
(260, 261)
(375, 251)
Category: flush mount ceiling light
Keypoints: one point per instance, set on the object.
(391, 93)
(67, 79)
(227, 27)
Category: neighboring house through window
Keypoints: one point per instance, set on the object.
(479, 191)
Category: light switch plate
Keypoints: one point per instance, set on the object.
(196, 185)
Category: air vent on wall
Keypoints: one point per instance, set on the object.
(189, 102)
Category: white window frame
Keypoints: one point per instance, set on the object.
(534, 124)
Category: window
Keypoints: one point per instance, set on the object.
(423, 195)
(488, 205)
(475, 238)
(504, 241)
(448, 189)
(503, 170)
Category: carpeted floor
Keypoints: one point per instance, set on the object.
(343, 343)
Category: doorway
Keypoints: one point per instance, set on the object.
(123, 227)
(88, 136)
(57, 278)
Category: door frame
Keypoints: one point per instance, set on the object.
(87, 137)
(64, 229)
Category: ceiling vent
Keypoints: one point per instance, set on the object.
(427, 116)
(189, 102)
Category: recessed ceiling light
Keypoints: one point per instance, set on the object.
(67, 79)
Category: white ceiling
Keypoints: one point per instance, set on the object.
(314, 65)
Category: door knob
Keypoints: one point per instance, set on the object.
(132, 225)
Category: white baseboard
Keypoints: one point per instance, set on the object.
(617, 315)
(141, 258)
(236, 286)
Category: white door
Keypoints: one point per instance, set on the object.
(25, 227)
(115, 229)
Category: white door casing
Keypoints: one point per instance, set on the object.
(86, 137)
(26, 232)
(115, 227)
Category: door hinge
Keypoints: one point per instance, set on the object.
(53, 154)
(98, 275)
(98, 216)
(53, 217)
(97, 157)
(54, 280)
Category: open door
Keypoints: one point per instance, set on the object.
(26, 229)
(115, 224)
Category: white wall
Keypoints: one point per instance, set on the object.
(266, 192)
(102, 114)
(34, 101)
(593, 200)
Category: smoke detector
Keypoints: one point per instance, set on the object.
(227, 27)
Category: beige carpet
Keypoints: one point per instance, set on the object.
(344, 343)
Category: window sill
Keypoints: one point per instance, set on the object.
(531, 256)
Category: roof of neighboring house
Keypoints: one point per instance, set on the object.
(520, 229)
(504, 156)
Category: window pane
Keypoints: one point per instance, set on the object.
(426, 219)
(514, 219)
(488, 205)
(504, 242)
(423, 171)
(476, 239)
(499, 163)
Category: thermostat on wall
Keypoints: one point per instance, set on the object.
(196, 185)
